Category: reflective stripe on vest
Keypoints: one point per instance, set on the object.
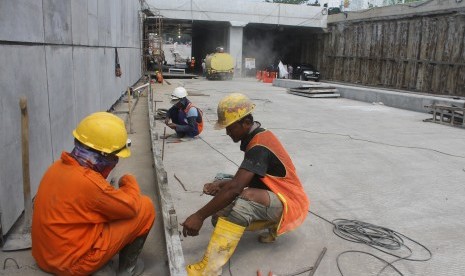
(288, 188)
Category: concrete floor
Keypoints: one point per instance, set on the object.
(356, 160)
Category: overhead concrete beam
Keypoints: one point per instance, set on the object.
(249, 12)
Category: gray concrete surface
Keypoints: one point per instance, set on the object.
(356, 160)
(393, 98)
(61, 56)
(139, 164)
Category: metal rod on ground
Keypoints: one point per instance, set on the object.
(163, 147)
(129, 110)
(317, 263)
(149, 94)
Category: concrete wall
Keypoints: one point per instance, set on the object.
(60, 54)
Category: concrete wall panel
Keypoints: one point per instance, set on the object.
(21, 20)
(92, 23)
(79, 22)
(66, 79)
(61, 95)
(85, 72)
(103, 22)
(26, 78)
(57, 21)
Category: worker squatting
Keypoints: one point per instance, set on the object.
(81, 221)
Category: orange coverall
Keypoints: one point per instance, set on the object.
(80, 221)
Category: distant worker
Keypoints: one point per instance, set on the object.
(80, 221)
(186, 119)
(290, 71)
(204, 68)
(192, 64)
(265, 192)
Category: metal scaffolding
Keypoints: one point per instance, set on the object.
(152, 41)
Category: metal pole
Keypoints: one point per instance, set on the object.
(129, 110)
(163, 147)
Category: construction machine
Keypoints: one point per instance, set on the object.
(219, 65)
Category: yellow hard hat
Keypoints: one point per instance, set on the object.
(104, 132)
(232, 108)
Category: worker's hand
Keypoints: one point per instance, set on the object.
(126, 179)
(171, 125)
(191, 226)
(167, 120)
(211, 188)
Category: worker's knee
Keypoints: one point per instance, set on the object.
(242, 212)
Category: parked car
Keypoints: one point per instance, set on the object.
(305, 72)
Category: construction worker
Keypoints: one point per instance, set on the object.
(80, 221)
(192, 64)
(186, 119)
(265, 192)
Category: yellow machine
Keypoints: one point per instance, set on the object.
(219, 66)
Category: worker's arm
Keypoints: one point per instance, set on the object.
(230, 190)
(190, 127)
(122, 203)
(173, 110)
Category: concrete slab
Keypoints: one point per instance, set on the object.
(356, 160)
(394, 98)
(79, 19)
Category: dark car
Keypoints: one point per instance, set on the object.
(305, 72)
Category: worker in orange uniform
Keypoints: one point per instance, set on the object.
(80, 221)
(265, 192)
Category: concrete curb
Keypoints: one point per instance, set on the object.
(170, 221)
(402, 100)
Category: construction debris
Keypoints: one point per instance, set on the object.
(316, 90)
(447, 115)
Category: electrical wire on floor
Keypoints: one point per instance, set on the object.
(377, 237)
(219, 152)
(368, 141)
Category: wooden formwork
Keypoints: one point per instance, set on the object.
(424, 53)
(449, 115)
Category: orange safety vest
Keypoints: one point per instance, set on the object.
(288, 188)
(199, 124)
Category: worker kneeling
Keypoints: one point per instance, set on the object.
(265, 191)
(186, 119)
(80, 221)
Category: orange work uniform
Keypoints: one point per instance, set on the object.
(288, 188)
(80, 221)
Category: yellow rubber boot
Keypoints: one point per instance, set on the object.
(260, 225)
(222, 244)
